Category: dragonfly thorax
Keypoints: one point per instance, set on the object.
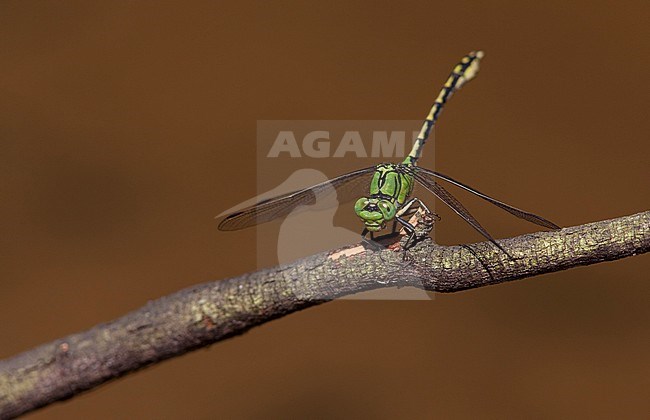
(390, 180)
(375, 211)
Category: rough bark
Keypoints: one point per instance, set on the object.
(210, 312)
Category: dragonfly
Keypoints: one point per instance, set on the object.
(388, 186)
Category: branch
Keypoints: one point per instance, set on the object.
(211, 312)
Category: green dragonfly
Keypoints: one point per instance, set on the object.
(391, 184)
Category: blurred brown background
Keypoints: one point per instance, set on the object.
(120, 120)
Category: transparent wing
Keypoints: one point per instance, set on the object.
(444, 196)
(347, 187)
(429, 177)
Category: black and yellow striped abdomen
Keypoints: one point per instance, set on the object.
(463, 72)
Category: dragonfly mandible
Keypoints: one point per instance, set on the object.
(390, 184)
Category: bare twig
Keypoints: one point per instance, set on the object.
(210, 312)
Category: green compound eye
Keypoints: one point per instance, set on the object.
(361, 204)
(387, 209)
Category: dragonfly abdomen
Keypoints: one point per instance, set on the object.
(463, 72)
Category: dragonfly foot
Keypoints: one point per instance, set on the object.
(405, 256)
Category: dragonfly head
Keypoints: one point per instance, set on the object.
(375, 212)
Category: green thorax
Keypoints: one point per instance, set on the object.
(389, 182)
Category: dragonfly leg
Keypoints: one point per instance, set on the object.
(408, 208)
(408, 228)
(370, 242)
(424, 207)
